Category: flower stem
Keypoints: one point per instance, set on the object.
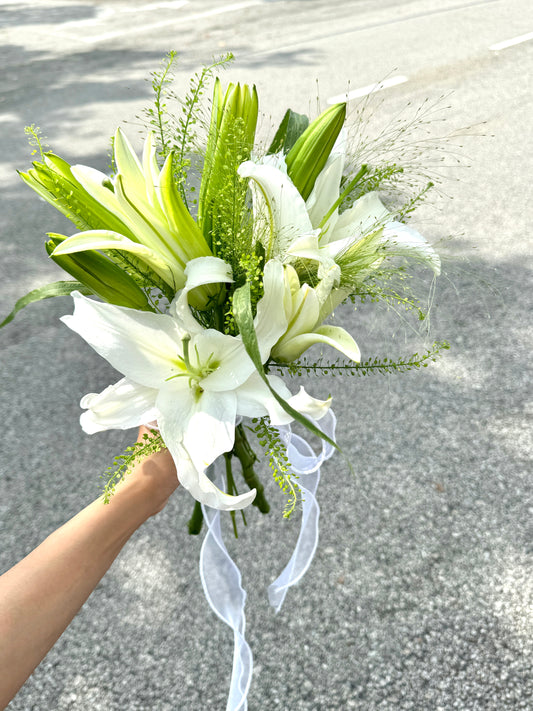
(247, 458)
(196, 520)
(231, 489)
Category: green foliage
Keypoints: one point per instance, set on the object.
(276, 451)
(289, 131)
(54, 181)
(140, 272)
(57, 288)
(36, 139)
(246, 456)
(124, 463)
(375, 365)
(413, 202)
(383, 176)
(157, 114)
(390, 285)
(242, 312)
(408, 156)
(222, 205)
(247, 270)
(190, 117)
(177, 129)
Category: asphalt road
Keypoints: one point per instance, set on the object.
(420, 596)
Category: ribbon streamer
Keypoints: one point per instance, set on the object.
(303, 462)
(221, 578)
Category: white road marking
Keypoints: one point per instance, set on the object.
(511, 42)
(166, 23)
(166, 4)
(365, 90)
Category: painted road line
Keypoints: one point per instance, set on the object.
(162, 5)
(168, 22)
(511, 42)
(370, 89)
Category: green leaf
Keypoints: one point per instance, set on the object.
(57, 288)
(290, 129)
(242, 312)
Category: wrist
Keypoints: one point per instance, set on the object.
(150, 484)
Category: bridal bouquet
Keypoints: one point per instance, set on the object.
(201, 273)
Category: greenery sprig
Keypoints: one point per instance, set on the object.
(276, 451)
(177, 131)
(36, 140)
(124, 463)
(375, 365)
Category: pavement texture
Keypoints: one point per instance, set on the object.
(420, 596)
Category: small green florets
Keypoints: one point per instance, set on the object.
(276, 451)
(124, 463)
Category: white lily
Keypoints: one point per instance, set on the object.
(314, 229)
(159, 229)
(304, 307)
(193, 381)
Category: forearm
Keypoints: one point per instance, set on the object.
(40, 595)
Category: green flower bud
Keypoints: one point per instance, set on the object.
(309, 154)
(101, 275)
(230, 141)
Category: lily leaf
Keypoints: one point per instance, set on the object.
(57, 288)
(290, 129)
(242, 312)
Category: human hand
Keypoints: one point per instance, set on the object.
(155, 476)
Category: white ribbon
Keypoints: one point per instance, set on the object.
(303, 462)
(221, 578)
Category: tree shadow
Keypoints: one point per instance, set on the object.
(14, 15)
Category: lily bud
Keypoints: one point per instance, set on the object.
(230, 142)
(101, 275)
(308, 156)
(54, 181)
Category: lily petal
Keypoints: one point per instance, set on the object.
(197, 428)
(326, 191)
(199, 272)
(152, 175)
(367, 214)
(334, 336)
(94, 182)
(233, 365)
(144, 346)
(128, 165)
(405, 241)
(202, 488)
(270, 321)
(120, 406)
(304, 317)
(105, 239)
(308, 405)
(278, 202)
(254, 399)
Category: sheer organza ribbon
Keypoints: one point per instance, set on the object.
(221, 578)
